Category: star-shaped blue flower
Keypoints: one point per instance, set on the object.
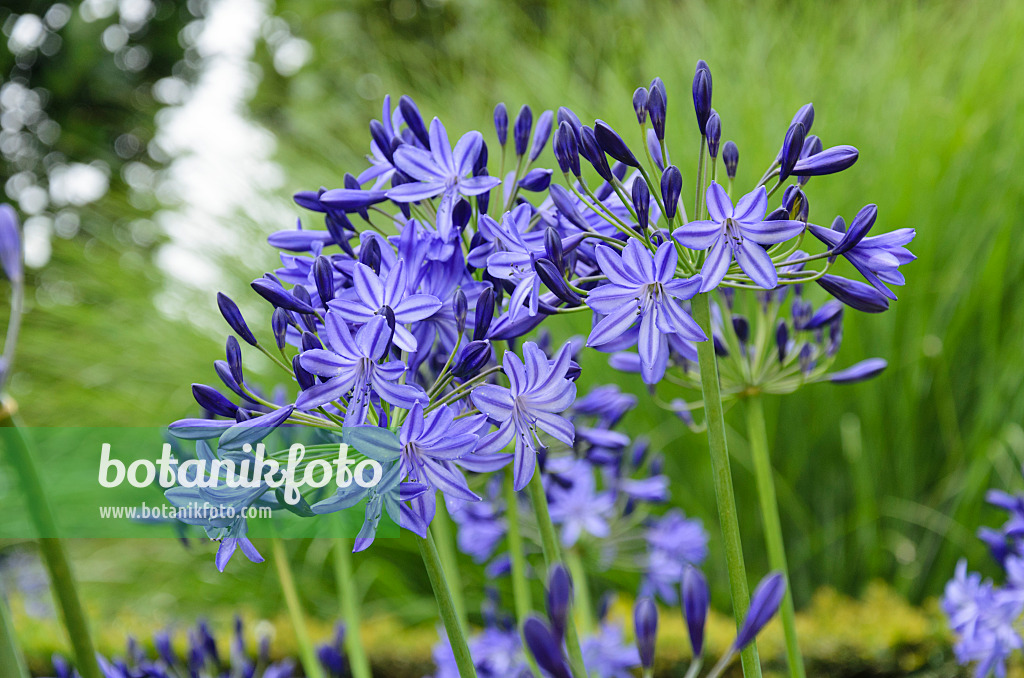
(538, 392)
(736, 233)
(641, 286)
(441, 171)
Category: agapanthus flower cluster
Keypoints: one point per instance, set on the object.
(985, 616)
(404, 313)
(205, 657)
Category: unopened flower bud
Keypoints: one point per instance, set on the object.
(521, 129)
(671, 189)
(501, 123)
(731, 158)
(657, 105)
(234, 318)
(645, 626)
(641, 203)
(713, 131)
(612, 144)
(702, 94)
(459, 308)
(640, 104)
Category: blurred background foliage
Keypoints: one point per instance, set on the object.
(883, 480)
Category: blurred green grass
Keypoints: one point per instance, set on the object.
(926, 91)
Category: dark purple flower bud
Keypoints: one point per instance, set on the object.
(645, 627)
(369, 255)
(380, 137)
(545, 647)
(224, 372)
(778, 214)
(731, 158)
(640, 104)
(484, 314)
(642, 203)
(573, 372)
(552, 277)
(309, 200)
(501, 123)
(480, 166)
(536, 180)
(741, 327)
(828, 312)
(460, 307)
(591, 150)
(804, 116)
(234, 318)
(812, 146)
(829, 161)
(305, 379)
(341, 229)
(558, 599)
(764, 603)
(310, 342)
(566, 150)
(854, 294)
(791, 147)
(696, 602)
(10, 243)
(720, 349)
(472, 359)
(862, 371)
(657, 105)
(413, 119)
(323, 274)
(567, 116)
(862, 223)
(541, 134)
(521, 129)
(483, 200)
(671, 189)
(234, 358)
(613, 145)
(839, 225)
(782, 339)
(462, 213)
(553, 249)
(212, 400)
(713, 131)
(565, 202)
(273, 292)
(279, 325)
(351, 199)
(702, 94)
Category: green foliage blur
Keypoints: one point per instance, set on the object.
(883, 480)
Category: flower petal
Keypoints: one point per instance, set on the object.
(719, 205)
(418, 164)
(612, 325)
(492, 400)
(757, 264)
(752, 207)
(716, 265)
(772, 232)
(466, 152)
(698, 235)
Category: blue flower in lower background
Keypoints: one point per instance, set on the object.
(986, 617)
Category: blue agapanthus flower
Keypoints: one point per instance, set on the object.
(737, 233)
(538, 392)
(642, 287)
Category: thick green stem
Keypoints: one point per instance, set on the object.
(445, 540)
(52, 549)
(757, 435)
(520, 584)
(310, 664)
(552, 555)
(726, 498)
(348, 600)
(443, 595)
(10, 653)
